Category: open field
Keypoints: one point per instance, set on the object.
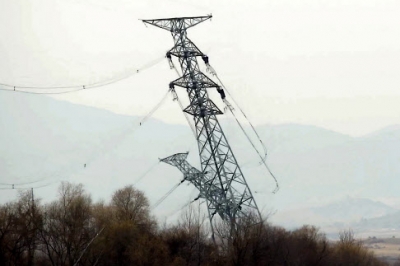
(385, 248)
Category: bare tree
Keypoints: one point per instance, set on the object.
(67, 227)
(130, 236)
(19, 224)
(130, 204)
(189, 241)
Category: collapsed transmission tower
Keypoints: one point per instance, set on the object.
(220, 181)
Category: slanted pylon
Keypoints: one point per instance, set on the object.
(220, 180)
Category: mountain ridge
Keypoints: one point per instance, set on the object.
(44, 137)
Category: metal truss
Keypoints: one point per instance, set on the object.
(220, 180)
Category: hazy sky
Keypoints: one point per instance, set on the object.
(327, 63)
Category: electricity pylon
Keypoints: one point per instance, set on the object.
(220, 181)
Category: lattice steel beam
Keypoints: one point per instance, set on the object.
(220, 180)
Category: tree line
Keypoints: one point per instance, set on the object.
(74, 230)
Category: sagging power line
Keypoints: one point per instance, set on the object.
(263, 157)
(229, 107)
(111, 146)
(49, 90)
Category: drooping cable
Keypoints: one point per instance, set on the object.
(146, 173)
(123, 135)
(75, 88)
(214, 73)
(29, 187)
(263, 158)
(106, 149)
(152, 111)
(170, 214)
(46, 93)
(179, 209)
(263, 161)
(197, 6)
(90, 242)
(158, 202)
(23, 183)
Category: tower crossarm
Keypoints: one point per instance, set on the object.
(185, 49)
(179, 161)
(190, 173)
(177, 24)
(207, 189)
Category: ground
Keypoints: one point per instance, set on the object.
(386, 248)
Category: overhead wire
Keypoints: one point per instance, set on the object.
(123, 135)
(60, 172)
(146, 173)
(243, 113)
(263, 158)
(90, 242)
(158, 202)
(75, 88)
(198, 7)
(30, 187)
(17, 185)
(184, 205)
(155, 108)
(56, 176)
(23, 183)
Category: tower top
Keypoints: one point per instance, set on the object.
(176, 24)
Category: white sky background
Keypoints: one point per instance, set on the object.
(327, 63)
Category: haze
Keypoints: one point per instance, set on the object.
(331, 64)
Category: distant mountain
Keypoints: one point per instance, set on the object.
(387, 133)
(334, 165)
(350, 209)
(300, 138)
(390, 221)
(46, 140)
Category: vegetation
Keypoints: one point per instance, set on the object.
(73, 230)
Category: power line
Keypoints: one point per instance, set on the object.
(16, 185)
(146, 173)
(263, 158)
(30, 187)
(213, 72)
(75, 88)
(24, 183)
(263, 161)
(90, 242)
(155, 108)
(158, 202)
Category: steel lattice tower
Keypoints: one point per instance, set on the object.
(220, 181)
